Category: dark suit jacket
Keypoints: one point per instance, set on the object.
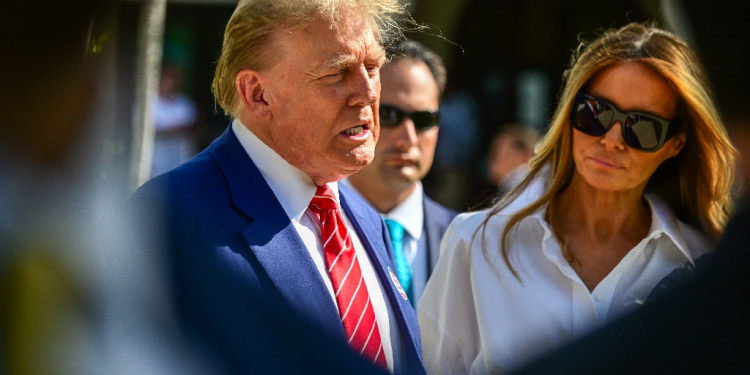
(232, 248)
(702, 327)
(436, 221)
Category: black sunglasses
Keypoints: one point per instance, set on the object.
(640, 130)
(391, 116)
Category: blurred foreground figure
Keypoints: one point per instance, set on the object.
(631, 183)
(77, 293)
(47, 278)
(257, 222)
(412, 83)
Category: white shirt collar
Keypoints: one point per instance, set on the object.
(663, 220)
(409, 213)
(536, 188)
(292, 187)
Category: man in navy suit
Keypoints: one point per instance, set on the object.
(412, 84)
(301, 81)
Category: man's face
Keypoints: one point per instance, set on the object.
(404, 154)
(323, 96)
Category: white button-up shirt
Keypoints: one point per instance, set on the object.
(295, 189)
(476, 317)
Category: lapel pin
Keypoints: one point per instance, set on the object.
(397, 284)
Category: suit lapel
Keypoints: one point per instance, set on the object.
(371, 241)
(271, 236)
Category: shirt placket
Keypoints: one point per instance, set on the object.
(584, 311)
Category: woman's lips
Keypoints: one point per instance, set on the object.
(606, 163)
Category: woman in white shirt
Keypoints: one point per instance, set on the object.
(635, 151)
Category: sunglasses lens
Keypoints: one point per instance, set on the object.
(640, 131)
(390, 116)
(424, 120)
(590, 115)
(643, 132)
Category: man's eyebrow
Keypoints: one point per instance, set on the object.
(378, 54)
(337, 62)
(344, 60)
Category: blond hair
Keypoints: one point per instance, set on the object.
(247, 33)
(695, 184)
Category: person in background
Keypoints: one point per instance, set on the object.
(258, 221)
(412, 83)
(174, 119)
(631, 182)
(508, 158)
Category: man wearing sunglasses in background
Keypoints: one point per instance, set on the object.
(411, 85)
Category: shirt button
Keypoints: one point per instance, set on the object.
(598, 298)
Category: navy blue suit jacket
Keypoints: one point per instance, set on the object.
(232, 248)
(436, 221)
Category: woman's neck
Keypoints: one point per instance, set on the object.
(596, 228)
(583, 209)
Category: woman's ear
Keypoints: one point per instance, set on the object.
(677, 143)
(252, 89)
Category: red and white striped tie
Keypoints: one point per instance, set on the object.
(355, 306)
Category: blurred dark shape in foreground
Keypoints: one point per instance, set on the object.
(77, 291)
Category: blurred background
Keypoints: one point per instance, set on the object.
(97, 96)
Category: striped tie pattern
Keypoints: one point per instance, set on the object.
(354, 304)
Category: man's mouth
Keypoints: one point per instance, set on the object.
(400, 159)
(359, 129)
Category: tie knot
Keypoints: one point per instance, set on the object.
(323, 199)
(395, 229)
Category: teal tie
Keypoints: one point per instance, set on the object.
(403, 269)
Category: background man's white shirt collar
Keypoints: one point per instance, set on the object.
(409, 213)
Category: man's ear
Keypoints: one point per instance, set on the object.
(251, 88)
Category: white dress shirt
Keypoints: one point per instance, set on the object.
(410, 214)
(295, 189)
(476, 317)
